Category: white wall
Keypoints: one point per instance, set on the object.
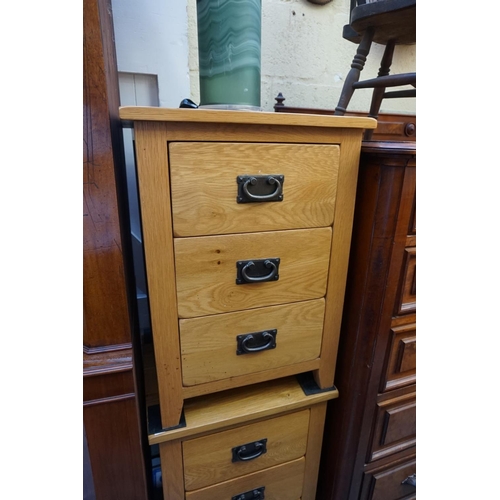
(151, 38)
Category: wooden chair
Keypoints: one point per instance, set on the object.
(389, 23)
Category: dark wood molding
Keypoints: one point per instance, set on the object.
(391, 126)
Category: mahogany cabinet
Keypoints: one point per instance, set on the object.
(369, 445)
(115, 467)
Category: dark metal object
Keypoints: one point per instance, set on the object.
(249, 451)
(309, 385)
(410, 480)
(256, 342)
(188, 103)
(260, 188)
(257, 271)
(257, 494)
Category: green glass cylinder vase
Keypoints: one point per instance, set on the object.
(229, 50)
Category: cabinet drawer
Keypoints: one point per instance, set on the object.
(407, 300)
(212, 459)
(402, 361)
(391, 482)
(283, 482)
(227, 345)
(395, 426)
(207, 269)
(205, 189)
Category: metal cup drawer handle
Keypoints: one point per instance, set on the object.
(249, 451)
(260, 185)
(256, 271)
(256, 494)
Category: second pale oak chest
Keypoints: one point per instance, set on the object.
(246, 221)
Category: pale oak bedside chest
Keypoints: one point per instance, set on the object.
(246, 221)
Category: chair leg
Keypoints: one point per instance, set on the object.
(358, 63)
(378, 93)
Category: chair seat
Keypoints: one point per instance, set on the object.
(392, 20)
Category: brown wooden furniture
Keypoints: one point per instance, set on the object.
(370, 436)
(386, 22)
(246, 222)
(390, 126)
(110, 401)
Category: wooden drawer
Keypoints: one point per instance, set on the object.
(206, 270)
(390, 482)
(210, 459)
(395, 426)
(402, 360)
(209, 345)
(407, 299)
(205, 189)
(283, 482)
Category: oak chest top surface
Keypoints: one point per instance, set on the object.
(145, 113)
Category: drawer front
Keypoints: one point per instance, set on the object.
(205, 188)
(395, 426)
(407, 301)
(227, 345)
(392, 482)
(283, 482)
(206, 270)
(209, 460)
(402, 363)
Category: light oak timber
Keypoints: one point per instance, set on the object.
(339, 258)
(313, 452)
(138, 113)
(254, 378)
(200, 125)
(206, 270)
(154, 189)
(208, 344)
(282, 482)
(204, 187)
(223, 410)
(208, 460)
(172, 470)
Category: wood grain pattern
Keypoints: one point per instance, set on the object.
(206, 270)
(313, 453)
(105, 308)
(208, 344)
(402, 357)
(283, 482)
(208, 460)
(385, 481)
(407, 302)
(172, 471)
(154, 189)
(204, 188)
(144, 113)
(384, 202)
(339, 258)
(227, 409)
(110, 405)
(395, 426)
(253, 378)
